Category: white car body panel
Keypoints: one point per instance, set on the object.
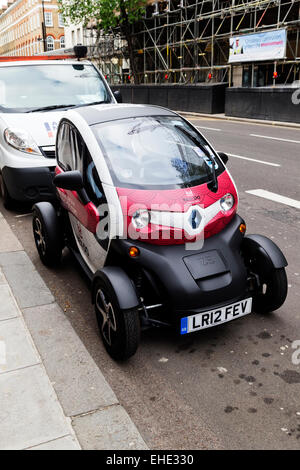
(41, 126)
(36, 125)
(91, 251)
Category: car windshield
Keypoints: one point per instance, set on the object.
(157, 152)
(31, 87)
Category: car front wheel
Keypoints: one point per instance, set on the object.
(47, 239)
(273, 291)
(119, 329)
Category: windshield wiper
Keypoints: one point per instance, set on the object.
(53, 106)
(213, 185)
(81, 105)
(62, 106)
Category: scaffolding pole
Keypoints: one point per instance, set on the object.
(187, 41)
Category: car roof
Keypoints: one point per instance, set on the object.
(21, 63)
(111, 112)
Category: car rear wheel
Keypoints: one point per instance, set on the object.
(119, 329)
(47, 237)
(272, 293)
(7, 200)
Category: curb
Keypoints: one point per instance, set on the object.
(222, 117)
(79, 388)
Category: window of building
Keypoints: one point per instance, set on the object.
(61, 23)
(62, 42)
(50, 43)
(48, 18)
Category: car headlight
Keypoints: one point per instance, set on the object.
(141, 218)
(227, 202)
(21, 140)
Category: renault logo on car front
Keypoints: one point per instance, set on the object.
(195, 219)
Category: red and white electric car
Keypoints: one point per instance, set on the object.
(150, 211)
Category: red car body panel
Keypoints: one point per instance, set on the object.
(87, 214)
(177, 200)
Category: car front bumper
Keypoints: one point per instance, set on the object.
(196, 281)
(29, 184)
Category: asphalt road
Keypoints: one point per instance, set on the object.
(234, 386)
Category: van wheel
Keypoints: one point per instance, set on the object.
(47, 237)
(119, 329)
(273, 292)
(7, 200)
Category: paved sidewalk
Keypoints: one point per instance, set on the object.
(52, 394)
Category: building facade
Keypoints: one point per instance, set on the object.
(75, 34)
(30, 27)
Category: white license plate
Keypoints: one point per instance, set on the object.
(203, 320)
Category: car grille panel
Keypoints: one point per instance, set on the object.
(48, 152)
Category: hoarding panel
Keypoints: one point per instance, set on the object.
(259, 46)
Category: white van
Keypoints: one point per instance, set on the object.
(33, 96)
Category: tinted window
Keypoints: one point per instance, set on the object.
(64, 149)
(92, 181)
(69, 148)
(77, 146)
(156, 152)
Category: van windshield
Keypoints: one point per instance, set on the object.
(156, 152)
(29, 87)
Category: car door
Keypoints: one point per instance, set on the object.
(83, 211)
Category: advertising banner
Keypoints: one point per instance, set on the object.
(258, 46)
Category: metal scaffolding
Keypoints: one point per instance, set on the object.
(187, 41)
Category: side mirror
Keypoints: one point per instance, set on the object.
(224, 157)
(71, 180)
(118, 96)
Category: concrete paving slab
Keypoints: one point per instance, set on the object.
(13, 258)
(27, 285)
(20, 351)
(64, 443)
(30, 413)
(8, 241)
(8, 307)
(2, 278)
(77, 380)
(108, 429)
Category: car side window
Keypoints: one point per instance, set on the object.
(92, 183)
(64, 149)
(77, 147)
(69, 148)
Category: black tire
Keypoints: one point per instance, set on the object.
(8, 202)
(119, 329)
(47, 236)
(273, 292)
